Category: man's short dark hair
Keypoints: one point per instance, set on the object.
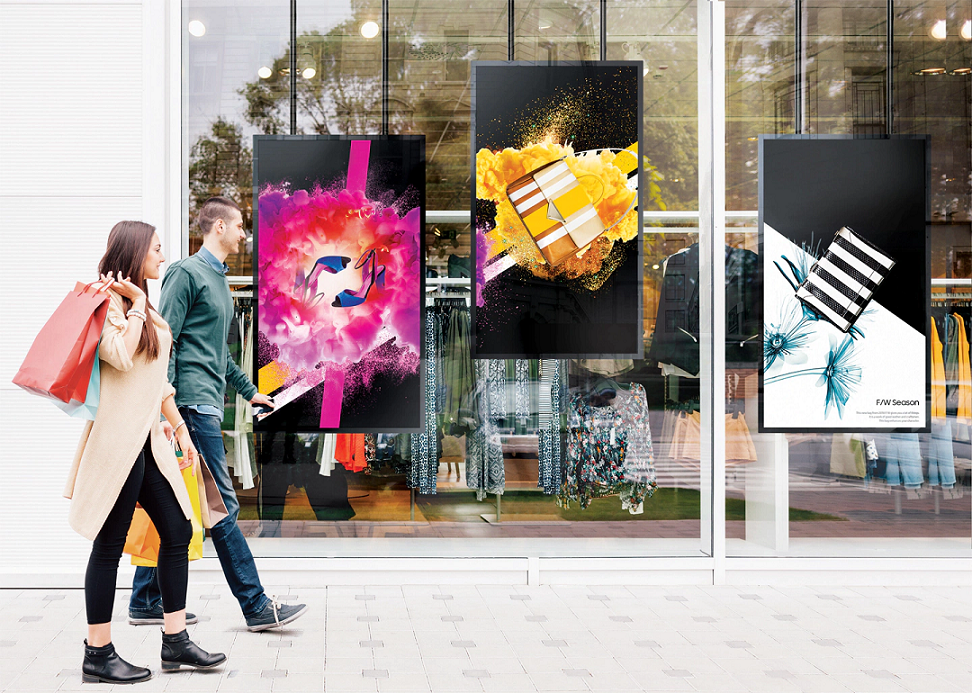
(214, 209)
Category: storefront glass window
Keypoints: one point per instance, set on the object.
(869, 492)
(822, 73)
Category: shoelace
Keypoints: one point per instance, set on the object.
(276, 608)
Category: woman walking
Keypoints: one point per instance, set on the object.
(124, 458)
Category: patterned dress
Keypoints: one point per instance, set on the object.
(609, 451)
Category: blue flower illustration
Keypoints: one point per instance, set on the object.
(798, 272)
(784, 338)
(841, 376)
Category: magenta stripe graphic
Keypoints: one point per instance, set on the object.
(332, 398)
(358, 165)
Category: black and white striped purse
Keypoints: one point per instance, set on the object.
(843, 281)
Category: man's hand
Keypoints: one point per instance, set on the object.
(167, 429)
(262, 400)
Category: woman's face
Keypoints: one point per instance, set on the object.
(154, 259)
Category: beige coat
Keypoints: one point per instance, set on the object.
(132, 391)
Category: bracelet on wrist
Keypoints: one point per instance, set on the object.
(178, 426)
(137, 314)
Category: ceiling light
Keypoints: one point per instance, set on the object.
(962, 71)
(939, 31)
(370, 29)
(931, 71)
(264, 72)
(545, 20)
(309, 73)
(966, 31)
(196, 28)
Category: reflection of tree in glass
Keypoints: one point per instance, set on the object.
(220, 164)
(342, 96)
(759, 90)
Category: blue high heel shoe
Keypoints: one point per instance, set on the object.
(332, 264)
(371, 274)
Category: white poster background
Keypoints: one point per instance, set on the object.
(891, 356)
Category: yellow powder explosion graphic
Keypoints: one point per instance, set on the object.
(605, 185)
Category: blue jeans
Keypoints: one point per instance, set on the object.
(234, 554)
(941, 463)
(903, 455)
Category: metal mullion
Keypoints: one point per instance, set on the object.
(889, 77)
(293, 67)
(798, 67)
(385, 87)
(603, 29)
(712, 233)
(510, 31)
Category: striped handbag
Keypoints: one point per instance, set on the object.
(556, 211)
(843, 281)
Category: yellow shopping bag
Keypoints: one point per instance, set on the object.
(143, 539)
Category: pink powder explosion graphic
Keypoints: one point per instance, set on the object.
(373, 323)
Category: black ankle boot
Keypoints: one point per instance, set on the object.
(103, 665)
(178, 649)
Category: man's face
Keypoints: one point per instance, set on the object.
(233, 233)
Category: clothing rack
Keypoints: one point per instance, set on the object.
(447, 287)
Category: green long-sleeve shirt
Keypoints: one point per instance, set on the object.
(197, 304)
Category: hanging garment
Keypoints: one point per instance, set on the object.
(632, 408)
(424, 450)
(847, 455)
(676, 337)
(941, 462)
(457, 373)
(938, 374)
(903, 456)
(963, 413)
(522, 408)
(370, 447)
(686, 437)
(326, 447)
(597, 444)
(739, 442)
(485, 471)
(244, 466)
(950, 356)
(349, 450)
(553, 386)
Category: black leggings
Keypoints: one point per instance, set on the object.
(147, 486)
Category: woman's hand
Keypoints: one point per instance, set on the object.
(105, 282)
(189, 455)
(124, 287)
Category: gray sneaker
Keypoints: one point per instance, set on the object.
(275, 615)
(154, 617)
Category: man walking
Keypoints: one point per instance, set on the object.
(197, 304)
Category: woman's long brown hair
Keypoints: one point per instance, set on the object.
(128, 246)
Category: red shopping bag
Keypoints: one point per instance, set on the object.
(60, 360)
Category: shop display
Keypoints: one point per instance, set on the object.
(845, 268)
(675, 341)
(338, 262)
(609, 448)
(557, 228)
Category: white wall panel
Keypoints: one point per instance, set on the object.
(72, 113)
